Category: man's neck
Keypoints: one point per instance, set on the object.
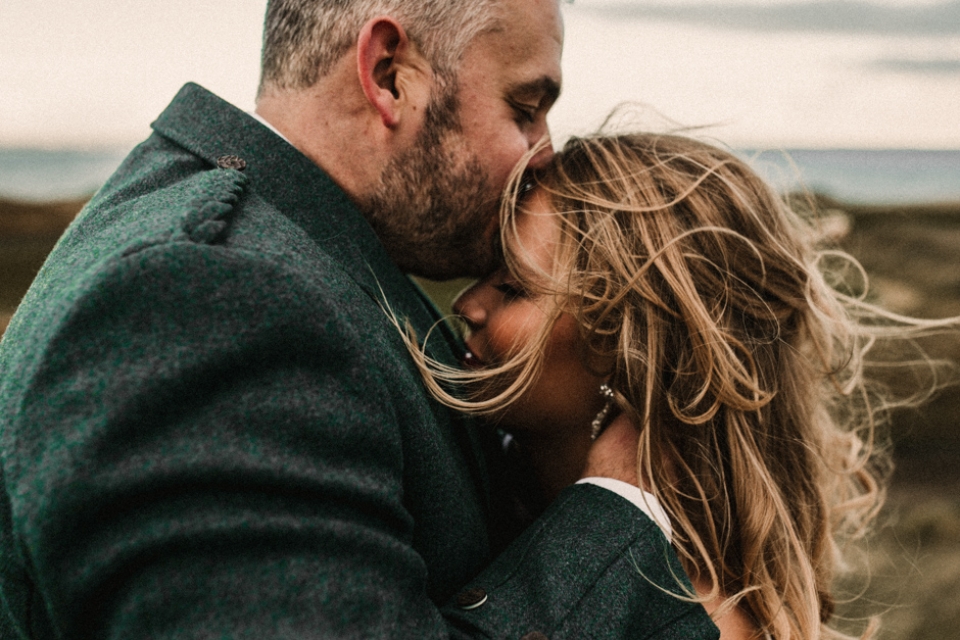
(330, 128)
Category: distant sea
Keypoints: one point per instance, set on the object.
(860, 176)
(42, 175)
(892, 176)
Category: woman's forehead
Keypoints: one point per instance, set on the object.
(537, 233)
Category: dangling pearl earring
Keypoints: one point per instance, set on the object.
(599, 423)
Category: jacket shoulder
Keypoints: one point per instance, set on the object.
(208, 202)
(161, 193)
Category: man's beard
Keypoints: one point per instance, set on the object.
(433, 209)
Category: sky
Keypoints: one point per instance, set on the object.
(756, 73)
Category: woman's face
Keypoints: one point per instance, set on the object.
(501, 317)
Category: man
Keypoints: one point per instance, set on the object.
(209, 426)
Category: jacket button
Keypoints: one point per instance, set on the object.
(232, 162)
(534, 635)
(471, 599)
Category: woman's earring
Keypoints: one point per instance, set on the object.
(600, 422)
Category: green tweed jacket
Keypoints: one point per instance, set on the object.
(210, 429)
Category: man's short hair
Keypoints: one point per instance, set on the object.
(303, 39)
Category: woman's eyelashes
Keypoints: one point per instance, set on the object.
(511, 291)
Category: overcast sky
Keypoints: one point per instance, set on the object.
(771, 73)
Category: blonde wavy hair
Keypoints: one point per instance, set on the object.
(736, 348)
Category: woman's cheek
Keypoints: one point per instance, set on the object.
(517, 329)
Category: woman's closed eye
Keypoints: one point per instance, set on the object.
(511, 291)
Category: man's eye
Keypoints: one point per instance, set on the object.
(510, 291)
(525, 114)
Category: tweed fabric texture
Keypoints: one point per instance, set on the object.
(209, 428)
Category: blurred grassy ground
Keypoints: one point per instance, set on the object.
(28, 232)
(912, 255)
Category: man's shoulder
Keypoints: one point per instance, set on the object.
(168, 215)
(161, 189)
(163, 194)
(195, 247)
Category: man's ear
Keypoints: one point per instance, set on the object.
(381, 42)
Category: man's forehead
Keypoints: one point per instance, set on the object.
(528, 19)
(505, 13)
(527, 45)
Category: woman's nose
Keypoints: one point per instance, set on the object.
(545, 154)
(469, 306)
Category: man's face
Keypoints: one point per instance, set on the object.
(436, 210)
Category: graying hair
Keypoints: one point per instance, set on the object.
(303, 39)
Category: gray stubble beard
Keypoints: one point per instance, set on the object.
(433, 209)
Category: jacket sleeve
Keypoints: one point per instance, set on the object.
(593, 566)
(207, 450)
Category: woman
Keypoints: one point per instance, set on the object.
(657, 281)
